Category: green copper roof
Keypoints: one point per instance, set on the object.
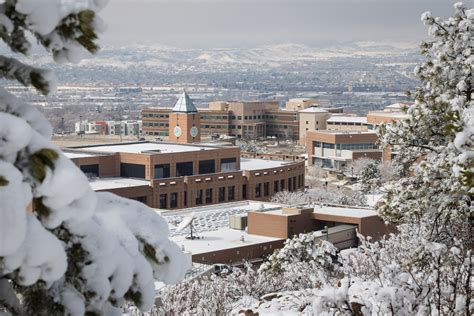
(184, 104)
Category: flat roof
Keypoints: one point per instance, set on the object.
(348, 119)
(212, 217)
(223, 238)
(115, 183)
(345, 211)
(343, 132)
(72, 155)
(256, 164)
(146, 147)
(333, 210)
(313, 109)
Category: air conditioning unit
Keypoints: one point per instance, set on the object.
(238, 221)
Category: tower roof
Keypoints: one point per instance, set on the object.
(184, 104)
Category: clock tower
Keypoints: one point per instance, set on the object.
(184, 121)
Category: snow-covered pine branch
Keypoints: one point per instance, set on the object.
(78, 251)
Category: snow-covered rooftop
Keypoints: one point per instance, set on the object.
(223, 238)
(347, 119)
(72, 155)
(115, 183)
(256, 164)
(336, 211)
(145, 147)
(345, 132)
(313, 109)
(345, 211)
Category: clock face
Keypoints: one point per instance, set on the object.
(177, 131)
(194, 131)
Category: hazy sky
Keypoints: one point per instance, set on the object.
(249, 23)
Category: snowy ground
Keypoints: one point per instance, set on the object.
(372, 199)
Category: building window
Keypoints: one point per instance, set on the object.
(228, 164)
(282, 185)
(185, 200)
(90, 170)
(231, 193)
(198, 196)
(244, 191)
(306, 122)
(174, 200)
(275, 186)
(162, 171)
(162, 201)
(222, 194)
(266, 189)
(289, 185)
(208, 196)
(131, 170)
(207, 166)
(258, 190)
(184, 169)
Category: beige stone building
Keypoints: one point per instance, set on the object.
(311, 119)
(333, 150)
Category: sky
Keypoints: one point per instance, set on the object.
(251, 23)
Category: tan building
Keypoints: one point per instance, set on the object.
(299, 104)
(256, 119)
(332, 150)
(174, 176)
(342, 123)
(311, 119)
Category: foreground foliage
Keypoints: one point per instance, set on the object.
(77, 252)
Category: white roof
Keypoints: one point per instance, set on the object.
(98, 184)
(145, 147)
(301, 99)
(348, 119)
(256, 164)
(71, 155)
(313, 109)
(224, 238)
(333, 210)
(345, 211)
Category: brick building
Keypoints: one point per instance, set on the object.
(174, 176)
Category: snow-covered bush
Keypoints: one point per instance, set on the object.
(77, 252)
(321, 196)
(402, 274)
(305, 257)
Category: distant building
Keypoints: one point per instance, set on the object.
(126, 128)
(340, 122)
(333, 150)
(311, 119)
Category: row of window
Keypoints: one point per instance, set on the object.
(200, 196)
(346, 123)
(155, 115)
(186, 168)
(294, 183)
(155, 124)
(345, 146)
(214, 117)
(276, 126)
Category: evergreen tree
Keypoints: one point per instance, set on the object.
(436, 142)
(77, 252)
